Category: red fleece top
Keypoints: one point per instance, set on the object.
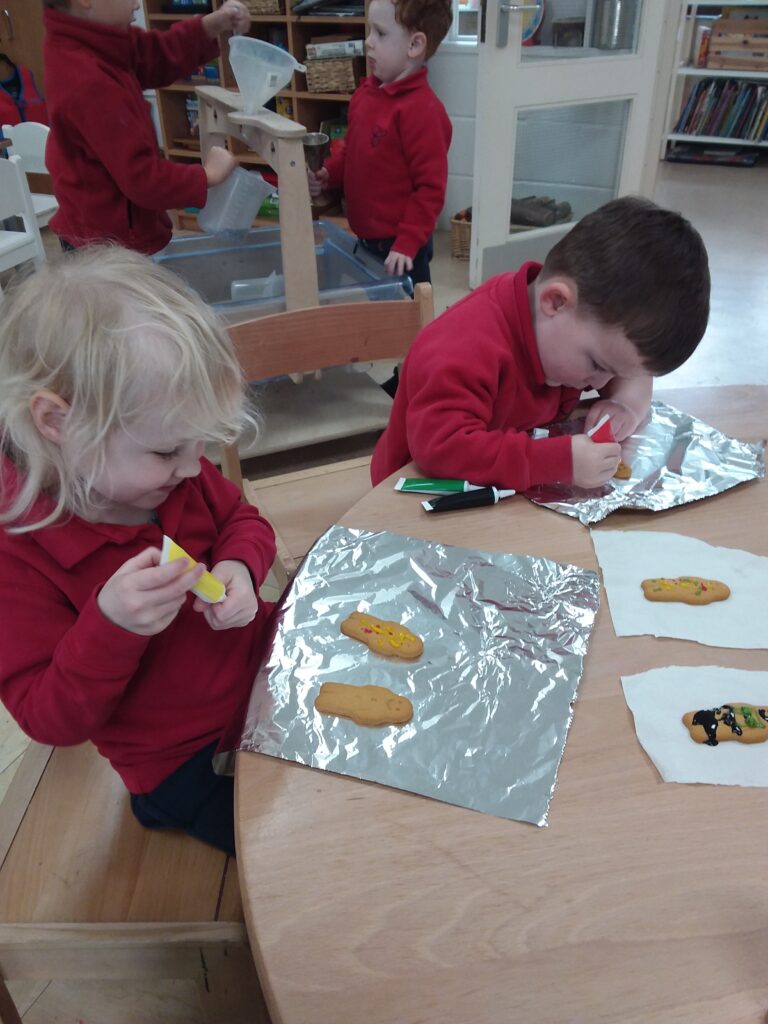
(471, 385)
(109, 177)
(67, 674)
(394, 161)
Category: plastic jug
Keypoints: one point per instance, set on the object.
(234, 203)
(261, 70)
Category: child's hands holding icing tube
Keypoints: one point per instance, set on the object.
(232, 16)
(144, 596)
(240, 605)
(624, 420)
(593, 464)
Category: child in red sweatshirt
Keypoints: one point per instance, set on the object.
(113, 375)
(623, 297)
(393, 163)
(109, 177)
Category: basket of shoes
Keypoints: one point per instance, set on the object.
(265, 6)
(340, 75)
(461, 234)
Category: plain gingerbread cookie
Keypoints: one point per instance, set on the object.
(366, 705)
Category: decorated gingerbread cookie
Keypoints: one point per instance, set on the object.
(688, 589)
(744, 723)
(366, 705)
(383, 636)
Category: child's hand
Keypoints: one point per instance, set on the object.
(232, 16)
(397, 263)
(623, 420)
(240, 605)
(143, 596)
(318, 182)
(593, 464)
(218, 165)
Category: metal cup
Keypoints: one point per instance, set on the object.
(317, 146)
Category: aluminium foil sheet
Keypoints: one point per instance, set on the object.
(505, 638)
(674, 458)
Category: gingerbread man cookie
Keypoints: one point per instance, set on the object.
(383, 636)
(744, 723)
(366, 705)
(688, 589)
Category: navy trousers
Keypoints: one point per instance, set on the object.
(194, 800)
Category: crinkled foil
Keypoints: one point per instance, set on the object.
(674, 458)
(504, 641)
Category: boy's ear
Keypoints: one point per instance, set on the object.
(418, 45)
(557, 294)
(49, 412)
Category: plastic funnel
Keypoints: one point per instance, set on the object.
(261, 70)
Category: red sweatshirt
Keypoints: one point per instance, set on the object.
(471, 385)
(68, 674)
(110, 180)
(394, 161)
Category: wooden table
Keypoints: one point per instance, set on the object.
(641, 903)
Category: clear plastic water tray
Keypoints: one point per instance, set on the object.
(242, 277)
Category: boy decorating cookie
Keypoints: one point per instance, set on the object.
(623, 297)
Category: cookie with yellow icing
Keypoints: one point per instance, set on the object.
(688, 589)
(383, 636)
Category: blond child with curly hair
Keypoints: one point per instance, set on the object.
(113, 377)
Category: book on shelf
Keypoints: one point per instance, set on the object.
(724, 107)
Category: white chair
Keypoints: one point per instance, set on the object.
(17, 247)
(28, 141)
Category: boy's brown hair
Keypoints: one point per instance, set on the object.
(60, 5)
(432, 17)
(641, 268)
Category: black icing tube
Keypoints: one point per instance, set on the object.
(470, 499)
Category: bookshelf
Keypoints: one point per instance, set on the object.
(717, 114)
(176, 104)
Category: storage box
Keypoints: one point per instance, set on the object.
(739, 44)
(338, 75)
(213, 265)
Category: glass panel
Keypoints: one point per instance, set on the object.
(570, 156)
(581, 28)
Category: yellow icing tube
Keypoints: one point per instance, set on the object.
(207, 588)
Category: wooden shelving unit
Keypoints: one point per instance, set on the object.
(176, 102)
(688, 76)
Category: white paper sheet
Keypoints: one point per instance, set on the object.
(658, 699)
(627, 557)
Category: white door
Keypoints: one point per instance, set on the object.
(574, 115)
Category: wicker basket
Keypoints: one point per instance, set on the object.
(336, 75)
(265, 6)
(461, 232)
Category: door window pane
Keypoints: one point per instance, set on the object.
(570, 155)
(581, 28)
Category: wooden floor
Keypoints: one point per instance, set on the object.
(727, 205)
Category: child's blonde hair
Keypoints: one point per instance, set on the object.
(113, 335)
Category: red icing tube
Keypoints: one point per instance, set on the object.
(602, 433)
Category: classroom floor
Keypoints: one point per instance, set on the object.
(728, 206)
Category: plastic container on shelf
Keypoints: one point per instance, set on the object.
(251, 268)
(261, 70)
(233, 204)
